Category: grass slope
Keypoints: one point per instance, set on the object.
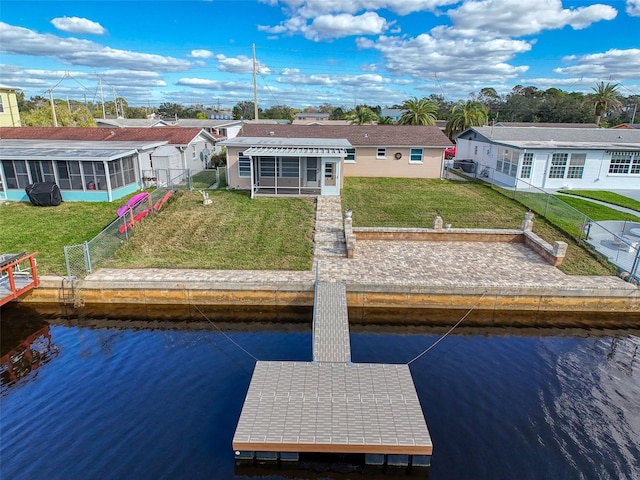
(608, 197)
(597, 212)
(234, 232)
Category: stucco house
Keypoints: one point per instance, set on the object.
(554, 158)
(9, 113)
(314, 159)
(98, 164)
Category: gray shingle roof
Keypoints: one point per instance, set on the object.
(540, 137)
(358, 135)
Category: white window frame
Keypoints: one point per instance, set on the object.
(559, 163)
(242, 168)
(575, 169)
(414, 152)
(624, 163)
(381, 153)
(350, 156)
(527, 165)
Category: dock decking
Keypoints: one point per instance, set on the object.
(14, 279)
(332, 405)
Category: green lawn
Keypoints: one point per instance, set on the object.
(24, 227)
(401, 202)
(597, 212)
(236, 232)
(608, 197)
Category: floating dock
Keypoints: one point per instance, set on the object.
(331, 405)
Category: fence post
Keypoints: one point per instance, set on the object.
(636, 264)
(66, 260)
(87, 257)
(546, 208)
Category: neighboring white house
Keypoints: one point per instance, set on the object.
(554, 158)
(98, 164)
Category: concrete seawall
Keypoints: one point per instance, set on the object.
(368, 303)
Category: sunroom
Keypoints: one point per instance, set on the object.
(84, 171)
(286, 166)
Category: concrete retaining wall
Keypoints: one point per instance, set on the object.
(492, 305)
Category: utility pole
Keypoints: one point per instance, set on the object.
(115, 101)
(104, 115)
(53, 108)
(255, 85)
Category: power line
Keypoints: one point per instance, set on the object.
(227, 336)
(447, 333)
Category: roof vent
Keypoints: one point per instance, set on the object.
(272, 133)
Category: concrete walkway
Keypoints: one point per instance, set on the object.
(328, 238)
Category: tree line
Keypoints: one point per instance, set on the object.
(604, 105)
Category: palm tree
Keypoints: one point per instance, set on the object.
(418, 112)
(465, 115)
(361, 115)
(604, 98)
(386, 121)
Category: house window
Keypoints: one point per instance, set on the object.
(69, 176)
(507, 162)
(527, 164)
(381, 153)
(351, 156)
(121, 172)
(41, 171)
(281, 166)
(475, 150)
(289, 167)
(95, 177)
(15, 173)
(416, 155)
(267, 167)
(244, 165)
(576, 165)
(1, 105)
(625, 162)
(558, 165)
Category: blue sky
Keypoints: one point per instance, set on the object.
(310, 52)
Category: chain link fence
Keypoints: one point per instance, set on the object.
(618, 241)
(84, 258)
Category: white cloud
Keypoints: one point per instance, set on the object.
(208, 84)
(344, 25)
(614, 63)
(329, 19)
(240, 64)
(73, 51)
(201, 54)
(371, 67)
(314, 8)
(633, 8)
(78, 25)
(523, 17)
(426, 56)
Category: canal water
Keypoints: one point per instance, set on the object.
(129, 400)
